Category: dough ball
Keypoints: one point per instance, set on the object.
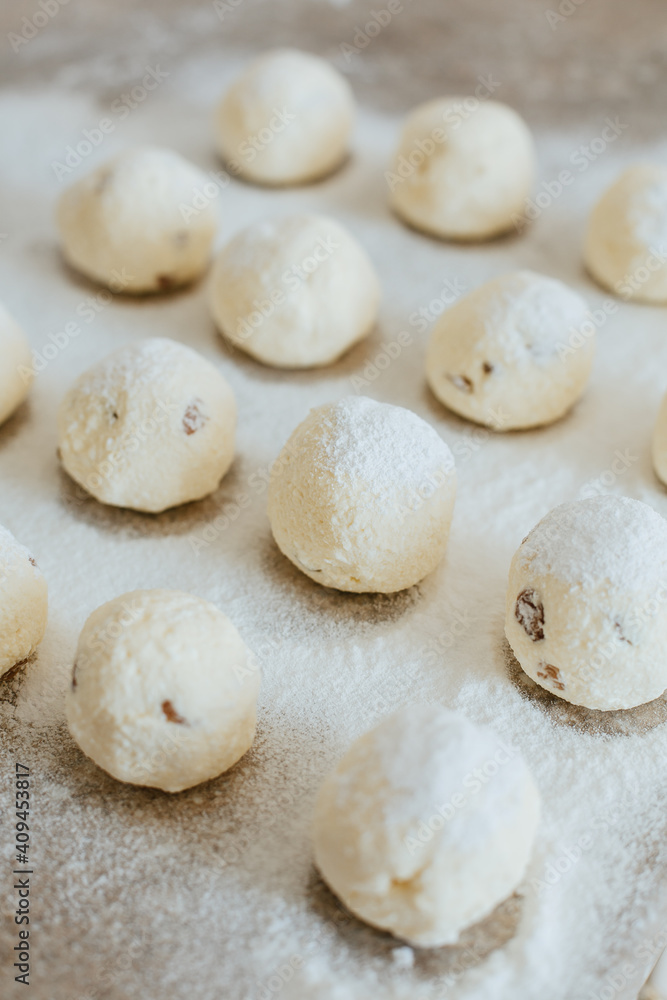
(286, 119)
(132, 224)
(149, 427)
(462, 174)
(23, 603)
(625, 248)
(587, 603)
(361, 497)
(163, 690)
(516, 352)
(295, 292)
(426, 824)
(16, 370)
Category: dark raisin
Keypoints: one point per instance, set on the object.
(74, 676)
(617, 626)
(193, 418)
(529, 612)
(171, 713)
(461, 382)
(165, 281)
(32, 561)
(551, 675)
(487, 367)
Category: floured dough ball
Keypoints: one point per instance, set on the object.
(625, 248)
(426, 825)
(295, 292)
(361, 497)
(16, 368)
(463, 169)
(140, 222)
(516, 352)
(149, 427)
(163, 690)
(23, 603)
(286, 119)
(587, 603)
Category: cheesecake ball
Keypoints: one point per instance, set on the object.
(586, 609)
(149, 427)
(426, 825)
(139, 223)
(294, 292)
(163, 690)
(16, 368)
(463, 168)
(286, 119)
(515, 353)
(361, 497)
(23, 603)
(625, 246)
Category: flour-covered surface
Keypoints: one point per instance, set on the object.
(212, 893)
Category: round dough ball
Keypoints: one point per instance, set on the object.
(426, 825)
(23, 603)
(516, 352)
(149, 427)
(462, 174)
(361, 497)
(286, 119)
(163, 690)
(587, 603)
(295, 292)
(624, 247)
(16, 368)
(139, 223)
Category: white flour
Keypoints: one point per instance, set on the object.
(212, 893)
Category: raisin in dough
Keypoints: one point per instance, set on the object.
(163, 690)
(23, 603)
(512, 353)
(286, 119)
(295, 292)
(587, 603)
(426, 825)
(137, 223)
(462, 173)
(361, 497)
(149, 427)
(625, 248)
(16, 370)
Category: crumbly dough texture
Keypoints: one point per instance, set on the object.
(586, 609)
(163, 690)
(23, 602)
(286, 119)
(625, 247)
(512, 353)
(139, 223)
(426, 824)
(16, 371)
(294, 292)
(149, 427)
(361, 497)
(472, 185)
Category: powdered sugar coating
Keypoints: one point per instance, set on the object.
(511, 354)
(362, 495)
(426, 824)
(594, 572)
